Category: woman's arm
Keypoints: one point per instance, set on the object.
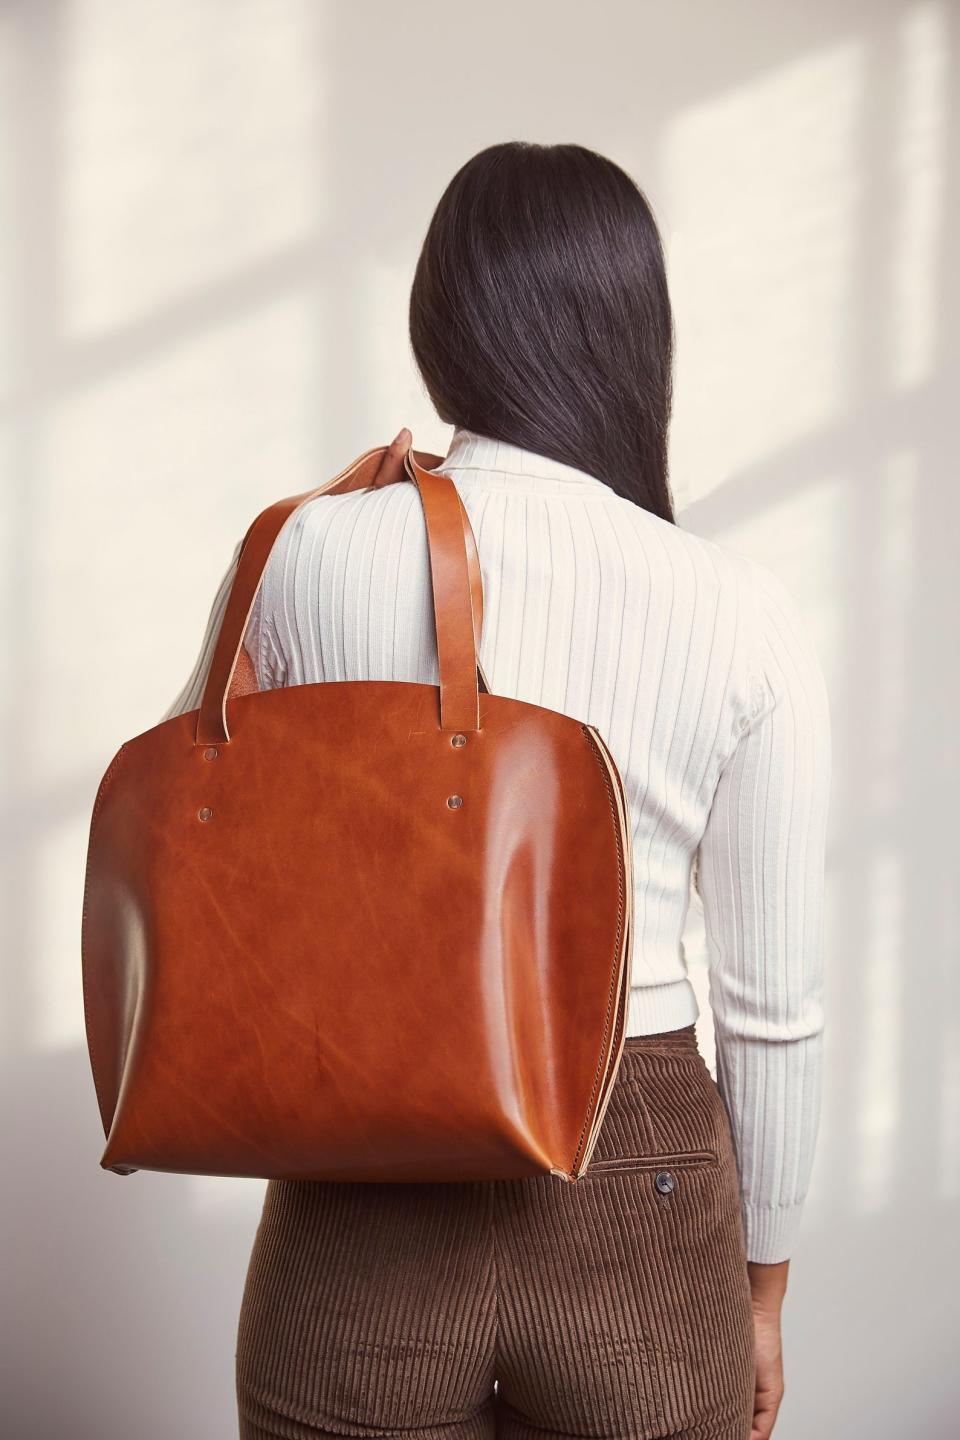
(761, 877)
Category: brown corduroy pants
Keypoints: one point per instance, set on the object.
(618, 1306)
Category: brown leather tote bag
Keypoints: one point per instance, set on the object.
(362, 930)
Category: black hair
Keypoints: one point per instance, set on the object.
(540, 315)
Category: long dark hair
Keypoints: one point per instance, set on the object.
(539, 314)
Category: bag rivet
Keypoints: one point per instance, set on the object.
(206, 813)
(459, 740)
(211, 752)
(454, 801)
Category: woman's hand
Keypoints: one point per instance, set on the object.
(391, 466)
(768, 1285)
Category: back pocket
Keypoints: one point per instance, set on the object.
(663, 1110)
(620, 1164)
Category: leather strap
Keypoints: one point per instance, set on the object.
(452, 601)
(457, 594)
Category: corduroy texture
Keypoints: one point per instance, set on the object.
(608, 1308)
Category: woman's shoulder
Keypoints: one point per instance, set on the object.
(778, 655)
(711, 562)
(757, 582)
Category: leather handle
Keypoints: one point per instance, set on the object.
(223, 679)
(453, 601)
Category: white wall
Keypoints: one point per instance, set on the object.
(209, 217)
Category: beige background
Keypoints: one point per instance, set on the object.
(209, 217)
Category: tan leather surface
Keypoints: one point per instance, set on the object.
(300, 961)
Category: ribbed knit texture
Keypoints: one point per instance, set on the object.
(694, 663)
(606, 1308)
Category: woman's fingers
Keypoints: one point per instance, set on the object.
(769, 1373)
(391, 466)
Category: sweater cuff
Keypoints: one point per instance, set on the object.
(771, 1231)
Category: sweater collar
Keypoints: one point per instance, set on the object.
(497, 464)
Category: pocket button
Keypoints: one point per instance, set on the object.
(664, 1181)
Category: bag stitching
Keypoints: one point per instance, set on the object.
(595, 751)
(98, 803)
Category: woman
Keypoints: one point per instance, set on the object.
(645, 1301)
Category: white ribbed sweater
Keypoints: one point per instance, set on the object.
(694, 664)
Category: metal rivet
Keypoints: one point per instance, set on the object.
(454, 801)
(211, 752)
(458, 740)
(206, 813)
